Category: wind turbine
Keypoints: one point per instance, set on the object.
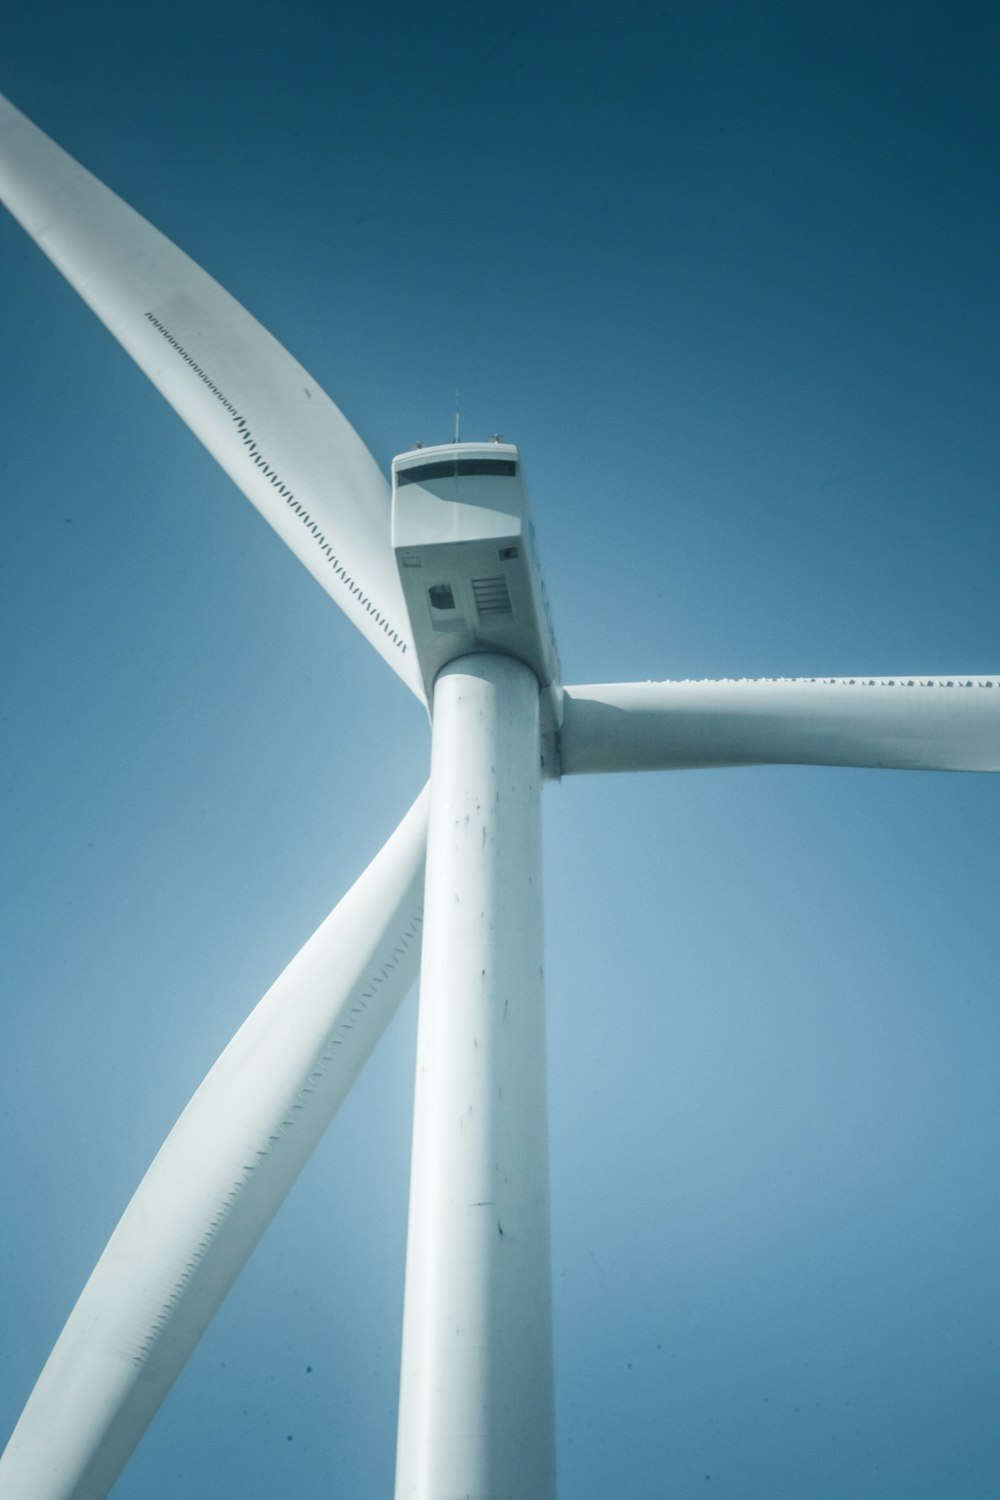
(247, 401)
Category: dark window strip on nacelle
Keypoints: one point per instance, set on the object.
(448, 467)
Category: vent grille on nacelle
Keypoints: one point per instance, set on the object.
(492, 597)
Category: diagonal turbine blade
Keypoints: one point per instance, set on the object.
(217, 1181)
(257, 411)
(907, 723)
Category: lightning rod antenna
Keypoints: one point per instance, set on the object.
(457, 421)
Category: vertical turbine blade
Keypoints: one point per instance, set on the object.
(217, 1181)
(256, 410)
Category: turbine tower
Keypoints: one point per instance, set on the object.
(440, 572)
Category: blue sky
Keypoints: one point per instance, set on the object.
(727, 274)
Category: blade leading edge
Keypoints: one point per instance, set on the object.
(258, 412)
(217, 1182)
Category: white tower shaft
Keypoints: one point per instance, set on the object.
(476, 1401)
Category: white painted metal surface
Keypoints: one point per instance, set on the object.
(216, 1183)
(476, 1403)
(468, 558)
(258, 412)
(906, 723)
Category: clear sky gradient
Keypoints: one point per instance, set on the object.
(727, 273)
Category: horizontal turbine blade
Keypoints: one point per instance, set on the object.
(906, 723)
(217, 1181)
(257, 411)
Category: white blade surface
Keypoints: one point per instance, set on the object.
(257, 411)
(217, 1181)
(906, 723)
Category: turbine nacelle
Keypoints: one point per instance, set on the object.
(468, 564)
